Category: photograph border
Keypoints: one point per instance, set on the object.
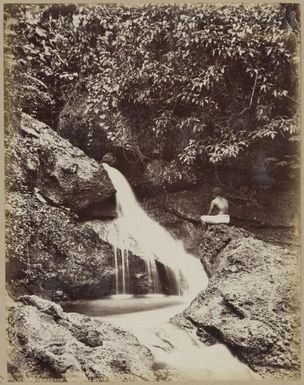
(3, 299)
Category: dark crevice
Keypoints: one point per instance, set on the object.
(198, 325)
(181, 216)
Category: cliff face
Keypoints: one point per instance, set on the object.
(252, 301)
(48, 344)
(48, 250)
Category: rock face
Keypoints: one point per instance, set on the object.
(51, 254)
(251, 303)
(191, 234)
(254, 210)
(49, 344)
(215, 239)
(48, 251)
(250, 207)
(40, 158)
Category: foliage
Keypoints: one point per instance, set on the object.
(195, 83)
(172, 175)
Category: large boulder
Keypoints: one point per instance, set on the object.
(37, 157)
(49, 252)
(48, 181)
(49, 344)
(214, 241)
(251, 303)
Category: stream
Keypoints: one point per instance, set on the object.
(177, 351)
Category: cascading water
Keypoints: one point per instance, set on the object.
(182, 355)
(156, 244)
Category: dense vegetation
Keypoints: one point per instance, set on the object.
(190, 84)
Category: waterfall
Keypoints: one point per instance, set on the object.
(156, 243)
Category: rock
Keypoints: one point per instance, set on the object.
(62, 174)
(47, 344)
(189, 203)
(191, 234)
(109, 158)
(139, 281)
(49, 251)
(256, 210)
(104, 210)
(215, 239)
(250, 299)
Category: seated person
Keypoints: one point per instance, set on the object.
(218, 212)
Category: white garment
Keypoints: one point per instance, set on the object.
(216, 219)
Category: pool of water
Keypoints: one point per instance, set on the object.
(122, 304)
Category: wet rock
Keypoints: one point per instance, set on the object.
(50, 253)
(62, 174)
(72, 347)
(191, 234)
(214, 240)
(104, 210)
(252, 303)
(48, 181)
(109, 158)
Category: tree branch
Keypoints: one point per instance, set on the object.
(253, 90)
(251, 98)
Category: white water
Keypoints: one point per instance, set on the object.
(184, 356)
(181, 354)
(155, 242)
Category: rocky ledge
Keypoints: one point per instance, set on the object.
(49, 344)
(251, 303)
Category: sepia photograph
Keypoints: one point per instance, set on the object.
(152, 191)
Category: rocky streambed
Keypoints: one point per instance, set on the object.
(251, 303)
(49, 344)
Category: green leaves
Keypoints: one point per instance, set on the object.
(163, 72)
